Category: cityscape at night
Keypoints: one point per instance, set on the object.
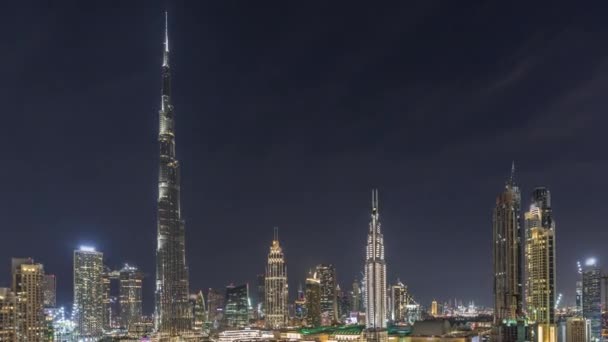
(238, 171)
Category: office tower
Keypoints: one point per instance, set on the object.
(507, 254)
(130, 296)
(8, 326)
(329, 308)
(236, 313)
(356, 297)
(199, 311)
(172, 312)
(577, 329)
(540, 265)
(399, 302)
(215, 305)
(592, 300)
(276, 286)
(28, 281)
(313, 300)
(106, 301)
(375, 277)
(49, 291)
(88, 292)
(261, 290)
(300, 304)
(579, 296)
(344, 306)
(434, 309)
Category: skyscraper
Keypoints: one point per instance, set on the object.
(434, 308)
(130, 296)
(199, 311)
(236, 314)
(8, 327)
(49, 290)
(540, 265)
(88, 292)
(300, 304)
(356, 297)
(399, 302)
(507, 254)
(329, 306)
(28, 278)
(313, 300)
(215, 305)
(375, 277)
(276, 286)
(592, 300)
(173, 314)
(106, 285)
(261, 292)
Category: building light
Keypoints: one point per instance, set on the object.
(87, 249)
(590, 262)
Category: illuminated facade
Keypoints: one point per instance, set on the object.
(28, 280)
(236, 314)
(577, 329)
(172, 311)
(329, 306)
(106, 285)
(215, 306)
(88, 292)
(8, 327)
(507, 254)
(434, 308)
(356, 297)
(49, 290)
(313, 300)
(130, 296)
(375, 277)
(300, 305)
(399, 301)
(276, 286)
(199, 311)
(540, 265)
(592, 300)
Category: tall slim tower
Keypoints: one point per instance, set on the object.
(329, 305)
(276, 286)
(88, 292)
(540, 265)
(375, 277)
(592, 297)
(130, 295)
(173, 314)
(507, 254)
(28, 278)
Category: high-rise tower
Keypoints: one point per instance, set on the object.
(507, 254)
(88, 292)
(329, 305)
(28, 278)
(173, 314)
(540, 265)
(375, 277)
(276, 286)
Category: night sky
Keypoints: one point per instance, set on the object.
(288, 113)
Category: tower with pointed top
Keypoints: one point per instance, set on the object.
(276, 286)
(507, 253)
(173, 316)
(375, 277)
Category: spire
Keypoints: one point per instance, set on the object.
(512, 176)
(166, 42)
(276, 234)
(375, 200)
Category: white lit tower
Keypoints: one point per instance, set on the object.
(375, 277)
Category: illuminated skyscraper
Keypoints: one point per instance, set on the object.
(434, 308)
(375, 278)
(329, 306)
(199, 311)
(540, 265)
(8, 326)
(577, 329)
(276, 286)
(173, 314)
(236, 314)
(261, 292)
(88, 292)
(28, 279)
(215, 306)
(313, 300)
(399, 301)
(106, 285)
(356, 297)
(508, 266)
(49, 289)
(300, 305)
(592, 300)
(130, 296)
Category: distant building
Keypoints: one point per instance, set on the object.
(592, 300)
(49, 290)
(199, 311)
(215, 307)
(326, 273)
(106, 286)
(434, 309)
(276, 287)
(236, 313)
(577, 329)
(579, 296)
(375, 277)
(356, 297)
(261, 295)
(130, 296)
(399, 301)
(344, 306)
(88, 292)
(313, 300)
(300, 305)
(540, 265)
(8, 326)
(28, 279)
(507, 248)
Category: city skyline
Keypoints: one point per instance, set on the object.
(236, 191)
